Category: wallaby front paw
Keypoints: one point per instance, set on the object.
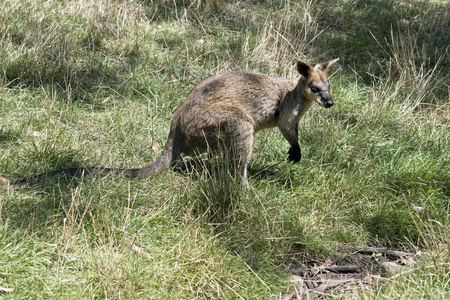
(295, 154)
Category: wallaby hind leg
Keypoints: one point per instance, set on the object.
(216, 128)
(239, 141)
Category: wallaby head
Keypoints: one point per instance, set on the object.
(315, 83)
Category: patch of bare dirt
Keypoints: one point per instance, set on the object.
(343, 276)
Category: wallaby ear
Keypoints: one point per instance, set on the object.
(304, 69)
(324, 67)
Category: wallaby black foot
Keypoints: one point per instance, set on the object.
(295, 154)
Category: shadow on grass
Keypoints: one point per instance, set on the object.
(355, 31)
(100, 203)
(37, 208)
(359, 32)
(8, 135)
(71, 64)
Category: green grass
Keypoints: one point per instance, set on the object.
(94, 84)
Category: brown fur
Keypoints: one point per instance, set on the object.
(227, 110)
(231, 107)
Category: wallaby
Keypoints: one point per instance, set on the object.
(224, 111)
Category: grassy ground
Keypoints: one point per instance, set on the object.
(95, 83)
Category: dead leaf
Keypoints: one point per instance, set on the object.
(137, 249)
(6, 184)
(155, 146)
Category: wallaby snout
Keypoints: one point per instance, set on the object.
(326, 100)
(328, 104)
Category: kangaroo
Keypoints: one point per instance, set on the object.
(226, 110)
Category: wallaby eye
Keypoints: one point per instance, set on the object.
(314, 89)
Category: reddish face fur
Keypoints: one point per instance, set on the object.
(316, 86)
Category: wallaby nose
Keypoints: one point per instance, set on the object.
(328, 104)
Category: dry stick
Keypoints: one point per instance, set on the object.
(372, 250)
(297, 293)
(309, 284)
(6, 290)
(343, 269)
(322, 288)
(335, 277)
(324, 294)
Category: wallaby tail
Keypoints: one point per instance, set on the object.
(70, 171)
(161, 163)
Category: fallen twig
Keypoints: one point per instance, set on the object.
(372, 250)
(6, 290)
(344, 269)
